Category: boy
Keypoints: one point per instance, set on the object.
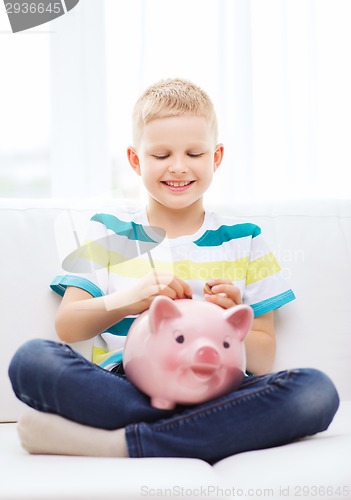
(86, 410)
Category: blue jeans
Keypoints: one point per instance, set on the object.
(266, 411)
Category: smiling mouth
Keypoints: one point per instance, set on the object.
(177, 184)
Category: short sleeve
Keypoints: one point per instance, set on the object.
(266, 288)
(87, 266)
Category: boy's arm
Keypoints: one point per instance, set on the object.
(261, 345)
(82, 316)
(260, 341)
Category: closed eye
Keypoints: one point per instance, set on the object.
(195, 155)
(160, 157)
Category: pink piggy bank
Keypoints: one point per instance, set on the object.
(186, 351)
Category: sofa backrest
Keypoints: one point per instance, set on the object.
(312, 241)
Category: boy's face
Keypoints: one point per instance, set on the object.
(176, 159)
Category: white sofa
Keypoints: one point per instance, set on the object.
(312, 241)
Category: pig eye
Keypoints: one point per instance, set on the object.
(179, 337)
(226, 343)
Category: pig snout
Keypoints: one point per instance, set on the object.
(206, 362)
(207, 355)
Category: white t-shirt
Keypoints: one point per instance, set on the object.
(121, 247)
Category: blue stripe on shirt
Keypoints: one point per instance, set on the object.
(215, 238)
(60, 284)
(272, 303)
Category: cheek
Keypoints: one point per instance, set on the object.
(232, 356)
(149, 172)
(171, 359)
(207, 172)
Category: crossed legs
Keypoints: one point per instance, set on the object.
(80, 409)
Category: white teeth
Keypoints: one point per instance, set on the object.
(177, 183)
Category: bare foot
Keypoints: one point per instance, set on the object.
(46, 433)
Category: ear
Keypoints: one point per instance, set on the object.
(218, 156)
(133, 159)
(241, 318)
(162, 308)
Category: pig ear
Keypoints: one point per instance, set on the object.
(241, 318)
(162, 308)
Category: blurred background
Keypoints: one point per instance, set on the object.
(278, 72)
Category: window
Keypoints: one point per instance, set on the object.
(25, 115)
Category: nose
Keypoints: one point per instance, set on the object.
(207, 355)
(177, 166)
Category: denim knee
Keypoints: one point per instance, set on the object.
(28, 362)
(316, 399)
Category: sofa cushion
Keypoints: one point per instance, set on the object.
(316, 467)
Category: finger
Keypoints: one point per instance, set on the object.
(230, 291)
(160, 281)
(187, 290)
(168, 292)
(212, 283)
(220, 300)
(171, 286)
(153, 284)
(182, 288)
(219, 281)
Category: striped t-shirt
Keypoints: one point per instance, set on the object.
(121, 248)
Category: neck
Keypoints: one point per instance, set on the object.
(176, 222)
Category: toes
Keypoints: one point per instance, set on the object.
(27, 429)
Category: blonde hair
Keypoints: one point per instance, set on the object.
(172, 97)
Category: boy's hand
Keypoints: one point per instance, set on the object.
(222, 292)
(156, 283)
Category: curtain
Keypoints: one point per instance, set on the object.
(278, 72)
